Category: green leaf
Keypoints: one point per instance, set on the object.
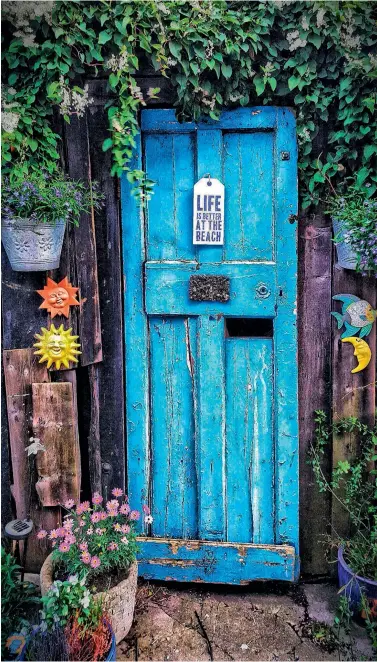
(361, 176)
(226, 70)
(104, 37)
(315, 39)
(107, 144)
(369, 150)
(175, 49)
(259, 85)
(273, 83)
(293, 82)
(12, 78)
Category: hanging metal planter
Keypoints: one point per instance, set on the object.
(31, 245)
(347, 258)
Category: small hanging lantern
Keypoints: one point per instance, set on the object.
(57, 346)
(58, 297)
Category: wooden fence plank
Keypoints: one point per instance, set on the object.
(353, 394)
(54, 423)
(314, 324)
(107, 381)
(20, 371)
(85, 247)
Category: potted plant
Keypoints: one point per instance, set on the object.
(100, 541)
(355, 233)
(35, 212)
(73, 626)
(353, 485)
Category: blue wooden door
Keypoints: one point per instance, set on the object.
(211, 387)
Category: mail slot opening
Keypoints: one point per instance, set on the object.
(248, 327)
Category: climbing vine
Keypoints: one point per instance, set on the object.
(319, 57)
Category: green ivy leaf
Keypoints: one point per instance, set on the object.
(107, 144)
(175, 49)
(104, 37)
(226, 70)
(369, 150)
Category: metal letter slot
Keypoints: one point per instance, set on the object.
(209, 288)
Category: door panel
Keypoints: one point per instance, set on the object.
(248, 170)
(212, 399)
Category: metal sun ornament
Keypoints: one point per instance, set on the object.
(58, 297)
(57, 345)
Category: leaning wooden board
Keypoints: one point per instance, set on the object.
(21, 369)
(54, 424)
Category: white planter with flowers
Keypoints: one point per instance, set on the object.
(98, 541)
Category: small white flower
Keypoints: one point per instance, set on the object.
(124, 540)
(148, 519)
(35, 446)
(85, 601)
(73, 579)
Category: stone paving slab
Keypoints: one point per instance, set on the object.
(260, 622)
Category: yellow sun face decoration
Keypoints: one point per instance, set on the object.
(58, 297)
(57, 346)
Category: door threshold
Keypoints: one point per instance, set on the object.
(215, 561)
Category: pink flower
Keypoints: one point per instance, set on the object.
(95, 562)
(64, 547)
(146, 510)
(62, 532)
(70, 539)
(41, 534)
(97, 498)
(103, 515)
(68, 523)
(117, 492)
(53, 544)
(82, 522)
(100, 532)
(85, 557)
(135, 515)
(54, 534)
(83, 507)
(83, 546)
(125, 528)
(112, 505)
(124, 540)
(112, 546)
(90, 531)
(95, 517)
(124, 509)
(112, 513)
(117, 527)
(69, 504)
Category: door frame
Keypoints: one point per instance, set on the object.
(185, 560)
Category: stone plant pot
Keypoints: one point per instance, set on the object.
(119, 601)
(347, 258)
(32, 246)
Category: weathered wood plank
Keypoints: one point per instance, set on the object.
(21, 370)
(314, 360)
(249, 440)
(77, 144)
(353, 394)
(54, 423)
(173, 355)
(6, 502)
(136, 336)
(198, 561)
(111, 419)
(210, 426)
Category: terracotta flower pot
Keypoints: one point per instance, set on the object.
(119, 600)
(32, 246)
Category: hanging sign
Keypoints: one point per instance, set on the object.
(208, 218)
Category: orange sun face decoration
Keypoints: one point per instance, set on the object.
(58, 297)
(57, 345)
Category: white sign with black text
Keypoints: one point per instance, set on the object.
(208, 219)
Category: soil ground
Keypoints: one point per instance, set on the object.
(260, 622)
